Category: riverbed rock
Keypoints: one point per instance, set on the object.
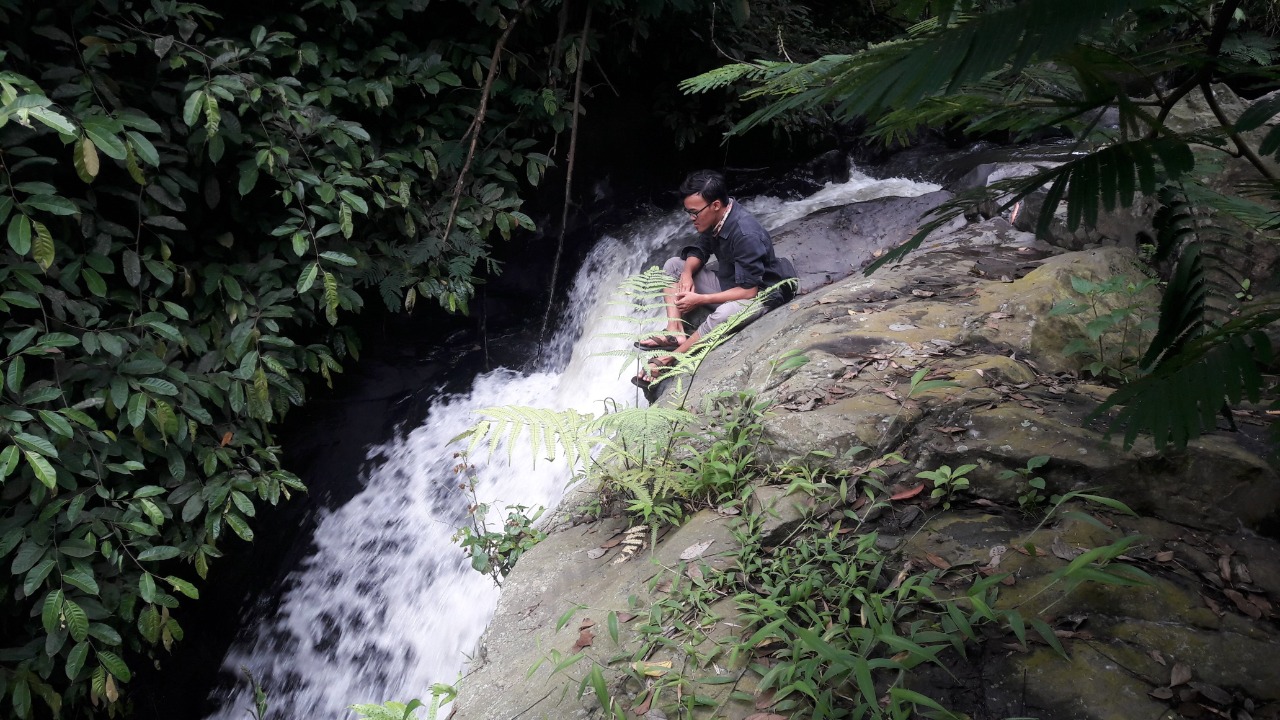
(973, 312)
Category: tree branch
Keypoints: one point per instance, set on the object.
(568, 176)
(478, 121)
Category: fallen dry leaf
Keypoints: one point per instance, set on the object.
(586, 623)
(1212, 604)
(1063, 551)
(1162, 693)
(662, 587)
(923, 293)
(1180, 674)
(1263, 604)
(908, 493)
(625, 617)
(1224, 568)
(1213, 693)
(643, 707)
(937, 561)
(764, 699)
(1008, 580)
(1242, 572)
(596, 553)
(612, 542)
(999, 315)
(1243, 605)
(694, 573)
(1165, 556)
(695, 550)
(585, 638)
(765, 716)
(652, 669)
(1155, 655)
(226, 438)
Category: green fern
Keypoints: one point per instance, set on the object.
(1180, 399)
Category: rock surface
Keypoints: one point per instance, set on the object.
(973, 311)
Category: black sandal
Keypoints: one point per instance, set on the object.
(660, 342)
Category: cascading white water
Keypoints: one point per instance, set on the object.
(387, 604)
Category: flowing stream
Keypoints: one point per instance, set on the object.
(387, 604)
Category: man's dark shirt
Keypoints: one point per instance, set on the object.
(745, 255)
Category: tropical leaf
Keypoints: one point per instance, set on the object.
(1179, 400)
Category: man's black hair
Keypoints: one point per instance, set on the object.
(707, 183)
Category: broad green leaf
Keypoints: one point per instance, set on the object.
(193, 107)
(43, 470)
(137, 409)
(35, 443)
(356, 202)
(82, 579)
(103, 133)
(308, 277)
(75, 659)
(94, 282)
(147, 588)
(15, 373)
(51, 611)
(145, 150)
(53, 120)
(239, 526)
(339, 258)
(20, 234)
(43, 250)
(184, 587)
(114, 665)
(56, 423)
(158, 553)
(77, 621)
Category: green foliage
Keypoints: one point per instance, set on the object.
(654, 459)
(1024, 68)
(441, 694)
(947, 482)
(919, 384)
(1030, 489)
(495, 552)
(193, 205)
(1117, 326)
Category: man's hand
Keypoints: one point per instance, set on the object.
(684, 284)
(686, 301)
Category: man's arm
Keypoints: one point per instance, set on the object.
(692, 264)
(686, 300)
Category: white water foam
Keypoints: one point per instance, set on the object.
(387, 604)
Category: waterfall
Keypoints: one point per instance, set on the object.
(387, 604)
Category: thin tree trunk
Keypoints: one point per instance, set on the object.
(568, 178)
(478, 122)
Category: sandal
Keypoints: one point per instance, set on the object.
(647, 378)
(658, 342)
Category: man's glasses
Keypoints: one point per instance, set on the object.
(693, 214)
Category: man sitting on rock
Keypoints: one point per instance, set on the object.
(744, 265)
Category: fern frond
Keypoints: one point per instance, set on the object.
(728, 75)
(547, 431)
(1180, 399)
(937, 59)
(649, 283)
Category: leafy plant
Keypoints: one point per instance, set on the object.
(495, 552)
(1117, 329)
(1026, 68)
(1030, 490)
(651, 458)
(947, 482)
(919, 384)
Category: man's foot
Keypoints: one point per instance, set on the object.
(648, 377)
(658, 342)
